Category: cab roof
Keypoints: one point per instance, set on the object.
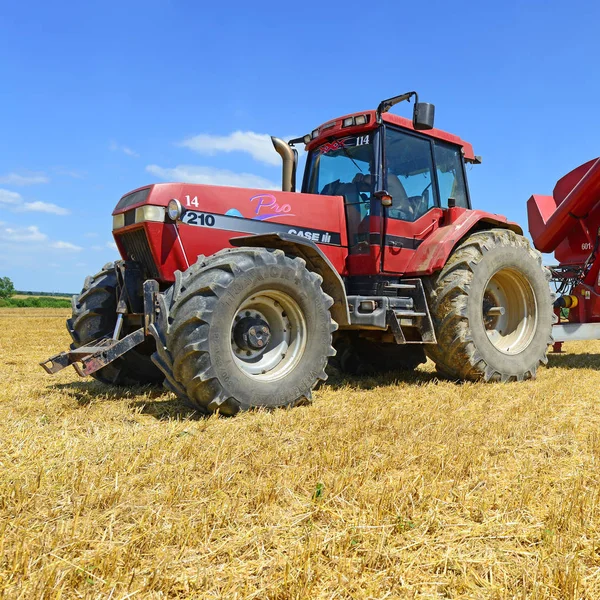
(334, 127)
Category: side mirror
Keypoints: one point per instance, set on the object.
(423, 116)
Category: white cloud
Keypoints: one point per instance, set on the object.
(15, 202)
(28, 234)
(210, 176)
(65, 246)
(25, 179)
(8, 197)
(69, 173)
(114, 147)
(45, 207)
(258, 145)
(110, 245)
(30, 237)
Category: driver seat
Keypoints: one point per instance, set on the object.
(400, 199)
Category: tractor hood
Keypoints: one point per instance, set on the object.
(212, 215)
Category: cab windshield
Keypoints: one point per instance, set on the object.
(343, 167)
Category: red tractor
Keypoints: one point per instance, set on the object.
(238, 298)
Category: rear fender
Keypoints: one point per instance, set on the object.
(316, 261)
(458, 223)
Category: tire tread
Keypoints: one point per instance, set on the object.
(456, 354)
(186, 312)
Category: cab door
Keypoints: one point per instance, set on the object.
(422, 175)
(410, 181)
(402, 238)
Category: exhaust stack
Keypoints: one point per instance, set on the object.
(289, 156)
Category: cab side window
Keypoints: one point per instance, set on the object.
(410, 179)
(450, 174)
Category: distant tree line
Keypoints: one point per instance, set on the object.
(56, 294)
(37, 299)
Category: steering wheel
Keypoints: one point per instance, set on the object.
(422, 203)
(400, 213)
(426, 188)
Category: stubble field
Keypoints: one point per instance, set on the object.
(403, 487)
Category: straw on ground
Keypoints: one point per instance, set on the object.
(401, 487)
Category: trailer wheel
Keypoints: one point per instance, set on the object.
(246, 328)
(492, 309)
(94, 315)
(361, 356)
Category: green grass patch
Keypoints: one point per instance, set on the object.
(34, 302)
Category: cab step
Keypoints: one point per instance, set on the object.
(399, 286)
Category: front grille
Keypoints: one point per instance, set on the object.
(137, 248)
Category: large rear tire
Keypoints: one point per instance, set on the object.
(245, 328)
(356, 355)
(492, 309)
(94, 316)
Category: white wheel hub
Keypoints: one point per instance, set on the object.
(509, 311)
(268, 335)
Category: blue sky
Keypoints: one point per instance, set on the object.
(98, 98)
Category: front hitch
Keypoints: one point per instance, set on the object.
(101, 352)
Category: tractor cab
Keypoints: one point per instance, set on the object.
(396, 176)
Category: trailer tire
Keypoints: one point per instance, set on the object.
(361, 356)
(94, 315)
(206, 331)
(490, 272)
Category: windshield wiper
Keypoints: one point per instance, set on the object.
(348, 155)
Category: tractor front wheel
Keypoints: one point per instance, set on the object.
(245, 328)
(492, 309)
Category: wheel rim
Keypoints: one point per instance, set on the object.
(268, 335)
(509, 311)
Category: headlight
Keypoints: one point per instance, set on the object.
(118, 221)
(174, 209)
(150, 213)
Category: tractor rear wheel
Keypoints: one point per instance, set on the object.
(94, 316)
(245, 328)
(492, 309)
(360, 356)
